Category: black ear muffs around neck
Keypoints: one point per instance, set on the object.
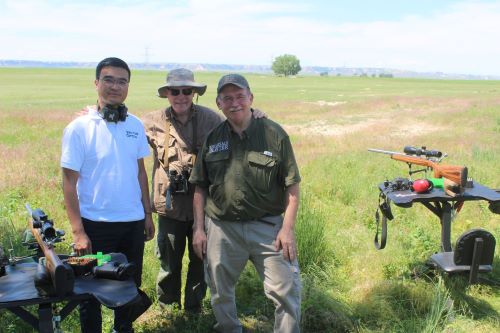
(114, 113)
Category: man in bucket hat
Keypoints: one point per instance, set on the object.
(175, 134)
(181, 77)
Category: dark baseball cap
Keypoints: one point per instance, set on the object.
(236, 79)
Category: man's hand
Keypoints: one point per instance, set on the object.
(149, 227)
(286, 236)
(200, 243)
(83, 245)
(286, 240)
(259, 114)
(84, 111)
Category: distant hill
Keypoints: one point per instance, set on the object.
(309, 70)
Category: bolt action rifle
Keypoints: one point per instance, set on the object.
(61, 274)
(455, 176)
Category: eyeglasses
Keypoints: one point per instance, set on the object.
(109, 81)
(176, 92)
(229, 99)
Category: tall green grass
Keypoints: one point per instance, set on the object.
(348, 286)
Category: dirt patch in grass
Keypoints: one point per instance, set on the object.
(322, 128)
(411, 130)
(325, 103)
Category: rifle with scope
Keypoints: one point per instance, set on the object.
(61, 274)
(430, 159)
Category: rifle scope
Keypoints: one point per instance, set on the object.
(409, 150)
(41, 220)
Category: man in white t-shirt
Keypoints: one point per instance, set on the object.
(105, 183)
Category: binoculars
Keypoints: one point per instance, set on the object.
(114, 271)
(178, 182)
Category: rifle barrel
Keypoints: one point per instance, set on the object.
(28, 208)
(384, 151)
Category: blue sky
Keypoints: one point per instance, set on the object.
(420, 35)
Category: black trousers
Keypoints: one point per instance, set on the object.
(171, 244)
(106, 237)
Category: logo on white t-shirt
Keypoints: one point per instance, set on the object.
(131, 134)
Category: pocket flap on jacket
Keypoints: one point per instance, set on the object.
(261, 159)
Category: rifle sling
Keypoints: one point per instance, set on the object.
(383, 235)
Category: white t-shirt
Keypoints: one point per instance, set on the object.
(105, 154)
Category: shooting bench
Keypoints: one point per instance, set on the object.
(474, 250)
(17, 290)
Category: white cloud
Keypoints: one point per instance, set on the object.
(462, 39)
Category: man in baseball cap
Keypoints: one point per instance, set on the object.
(234, 79)
(246, 198)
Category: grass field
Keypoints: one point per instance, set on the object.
(348, 286)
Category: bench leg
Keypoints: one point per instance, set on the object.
(45, 318)
(476, 257)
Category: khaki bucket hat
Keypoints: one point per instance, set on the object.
(181, 77)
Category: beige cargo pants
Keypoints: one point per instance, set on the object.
(229, 246)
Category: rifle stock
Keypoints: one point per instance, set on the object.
(61, 274)
(455, 173)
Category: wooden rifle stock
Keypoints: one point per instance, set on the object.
(455, 173)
